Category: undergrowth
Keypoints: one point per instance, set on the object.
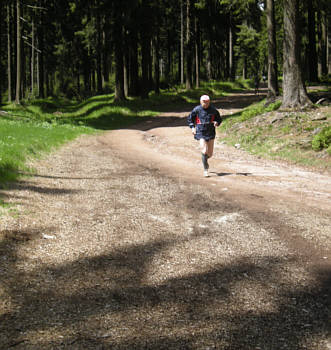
(34, 127)
(296, 137)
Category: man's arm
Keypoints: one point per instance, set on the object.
(218, 119)
(191, 121)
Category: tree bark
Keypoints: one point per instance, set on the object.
(118, 47)
(157, 64)
(145, 52)
(294, 90)
(38, 73)
(1, 67)
(273, 90)
(188, 46)
(182, 42)
(323, 34)
(328, 45)
(133, 61)
(312, 54)
(99, 51)
(197, 63)
(41, 56)
(105, 55)
(9, 55)
(33, 54)
(18, 52)
(231, 70)
(146, 58)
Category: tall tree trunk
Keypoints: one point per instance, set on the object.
(86, 68)
(182, 42)
(197, 63)
(188, 46)
(323, 34)
(244, 71)
(93, 79)
(126, 71)
(150, 64)
(168, 71)
(328, 45)
(165, 68)
(99, 51)
(157, 64)
(18, 54)
(33, 54)
(145, 52)
(9, 54)
(118, 48)
(41, 56)
(1, 66)
(145, 41)
(326, 33)
(105, 54)
(133, 61)
(312, 54)
(47, 83)
(273, 90)
(231, 70)
(78, 77)
(208, 62)
(294, 91)
(24, 65)
(38, 73)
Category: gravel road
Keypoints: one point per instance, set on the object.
(118, 242)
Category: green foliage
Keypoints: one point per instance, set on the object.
(30, 129)
(322, 140)
(248, 113)
(247, 49)
(257, 109)
(240, 8)
(286, 129)
(281, 135)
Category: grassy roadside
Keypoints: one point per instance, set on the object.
(302, 137)
(23, 140)
(38, 126)
(31, 129)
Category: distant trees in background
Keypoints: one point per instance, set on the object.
(85, 47)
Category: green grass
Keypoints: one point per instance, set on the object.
(29, 130)
(291, 138)
(249, 113)
(99, 112)
(23, 140)
(35, 127)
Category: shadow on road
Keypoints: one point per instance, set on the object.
(238, 101)
(104, 302)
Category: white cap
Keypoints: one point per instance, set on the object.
(204, 98)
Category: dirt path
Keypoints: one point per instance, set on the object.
(118, 242)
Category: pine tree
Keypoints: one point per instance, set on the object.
(294, 90)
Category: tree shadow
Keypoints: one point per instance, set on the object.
(27, 186)
(241, 101)
(195, 310)
(45, 190)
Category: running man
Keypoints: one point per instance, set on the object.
(202, 120)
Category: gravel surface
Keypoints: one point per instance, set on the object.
(118, 242)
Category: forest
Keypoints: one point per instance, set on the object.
(83, 48)
(111, 234)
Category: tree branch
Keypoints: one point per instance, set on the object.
(26, 41)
